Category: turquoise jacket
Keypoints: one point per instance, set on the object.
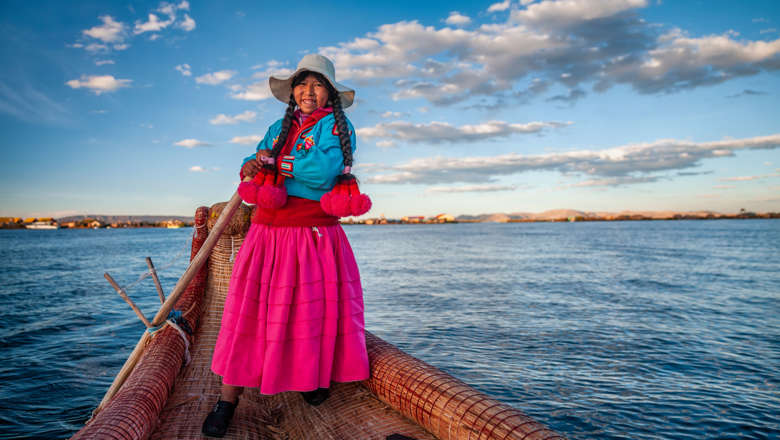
(314, 162)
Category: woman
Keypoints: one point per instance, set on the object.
(293, 317)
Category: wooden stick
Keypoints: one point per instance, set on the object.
(165, 309)
(200, 258)
(157, 284)
(128, 300)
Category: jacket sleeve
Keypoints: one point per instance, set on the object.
(265, 144)
(320, 165)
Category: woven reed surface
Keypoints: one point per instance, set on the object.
(132, 413)
(445, 406)
(351, 412)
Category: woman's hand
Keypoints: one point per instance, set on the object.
(250, 168)
(264, 157)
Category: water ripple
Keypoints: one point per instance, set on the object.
(622, 330)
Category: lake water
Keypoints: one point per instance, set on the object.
(615, 330)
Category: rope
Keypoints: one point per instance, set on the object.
(146, 274)
(177, 321)
(232, 250)
(187, 357)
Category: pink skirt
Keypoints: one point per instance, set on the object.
(293, 316)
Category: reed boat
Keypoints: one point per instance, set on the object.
(166, 387)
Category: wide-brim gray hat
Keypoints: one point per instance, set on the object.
(282, 87)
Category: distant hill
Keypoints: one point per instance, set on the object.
(126, 218)
(563, 214)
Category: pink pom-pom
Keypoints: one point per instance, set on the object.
(271, 196)
(325, 203)
(248, 192)
(340, 205)
(360, 204)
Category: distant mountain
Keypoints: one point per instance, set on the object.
(564, 214)
(126, 218)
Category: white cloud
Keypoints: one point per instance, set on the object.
(215, 78)
(99, 84)
(576, 44)
(247, 140)
(635, 163)
(110, 32)
(222, 119)
(457, 19)
(197, 169)
(103, 62)
(390, 114)
(470, 188)
(440, 132)
(385, 144)
(748, 178)
(96, 47)
(185, 69)
(188, 24)
(153, 24)
(253, 92)
(500, 6)
(564, 13)
(684, 62)
(192, 143)
(614, 181)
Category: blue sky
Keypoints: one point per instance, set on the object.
(462, 107)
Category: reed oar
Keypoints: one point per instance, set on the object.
(156, 279)
(127, 299)
(195, 265)
(199, 259)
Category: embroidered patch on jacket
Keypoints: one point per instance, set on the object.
(307, 143)
(275, 139)
(305, 133)
(335, 130)
(286, 166)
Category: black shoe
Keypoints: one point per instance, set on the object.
(316, 397)
(216, 423)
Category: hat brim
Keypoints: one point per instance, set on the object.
(281, 88)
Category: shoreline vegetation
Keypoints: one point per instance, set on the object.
(559, 215)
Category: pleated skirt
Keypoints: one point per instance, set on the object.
(293, 316)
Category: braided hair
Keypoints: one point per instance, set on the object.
(286, 123)
(338, 113)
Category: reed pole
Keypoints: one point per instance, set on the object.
(157, 284)
(127, 299)
(195, 264)
(200, 258)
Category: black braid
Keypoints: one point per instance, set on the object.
(341, 122)
(286, 123)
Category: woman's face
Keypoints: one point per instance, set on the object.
(310, 94)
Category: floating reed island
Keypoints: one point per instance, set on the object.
(166, 387)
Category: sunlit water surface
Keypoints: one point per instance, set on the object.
(619, 330)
